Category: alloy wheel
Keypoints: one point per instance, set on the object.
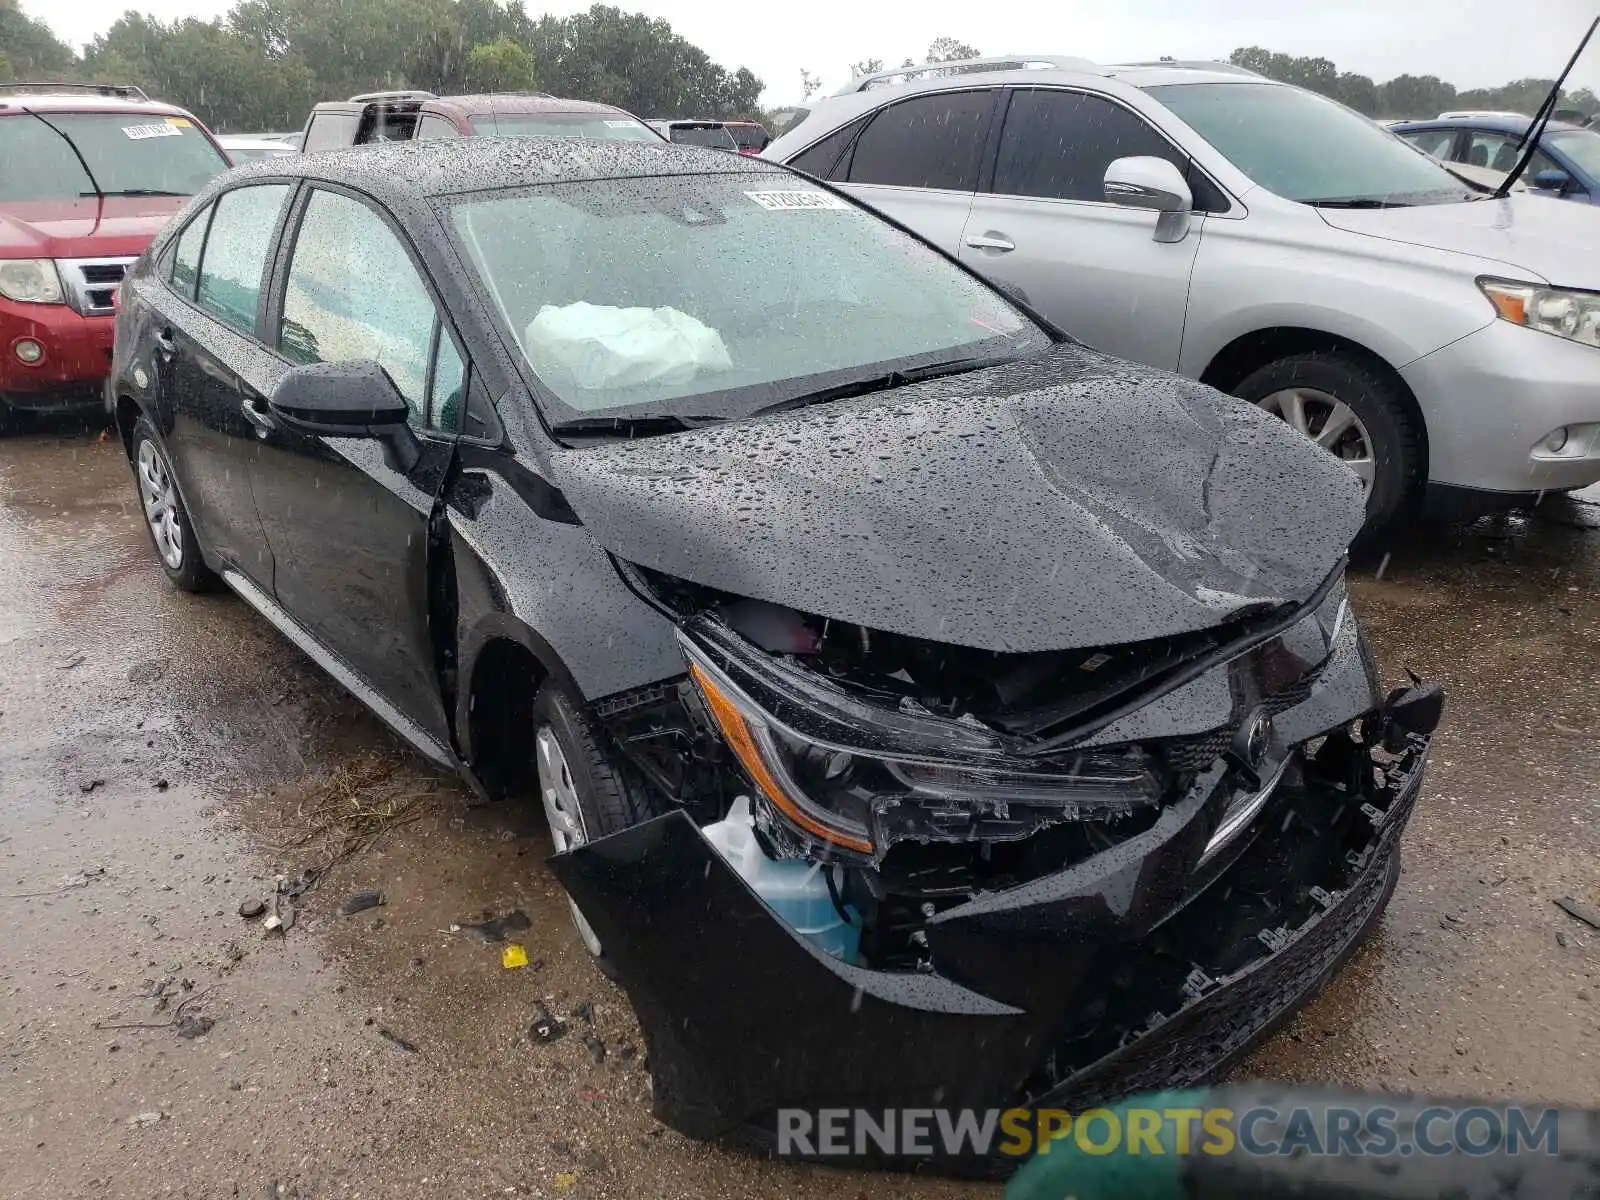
(1330, 423)
(564, 815)
(160, 501)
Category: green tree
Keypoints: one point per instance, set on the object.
(28, 50)
(1359, 92)
(638, 63)
(1416, 96)
(500, 66)
(867, 66)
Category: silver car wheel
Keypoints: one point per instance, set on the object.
(160, 501)
(1330, 423)
(564, 814)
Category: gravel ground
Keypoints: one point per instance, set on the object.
(164, 757)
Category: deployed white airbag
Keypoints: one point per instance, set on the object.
(597, 346)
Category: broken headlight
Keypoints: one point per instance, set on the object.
(860, 777)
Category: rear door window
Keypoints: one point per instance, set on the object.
(1057, 145)
(825, 159)
(186, 258)
(925, 142)
(235, 256)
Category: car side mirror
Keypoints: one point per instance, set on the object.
(348, 399)
(1552, 181)
(1155, 184)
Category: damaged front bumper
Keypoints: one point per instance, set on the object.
(1152, 964)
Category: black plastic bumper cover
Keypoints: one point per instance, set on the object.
(742, 1017)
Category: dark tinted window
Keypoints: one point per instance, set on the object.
(749, 137)
(186, 259)
(715, 136)
(1058, 145)
(331, 130)
(925, 142)
(823, 157)
(242, 224)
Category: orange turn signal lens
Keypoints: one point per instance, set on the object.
(737, 733)
(1510, 302)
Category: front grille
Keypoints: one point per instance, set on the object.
(91, 283)
(104, 273)
(1193, 754)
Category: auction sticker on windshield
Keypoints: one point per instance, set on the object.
(138, 133)
(793, 201)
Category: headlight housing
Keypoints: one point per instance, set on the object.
(31, 281)
(1564, 312)
(860, 777)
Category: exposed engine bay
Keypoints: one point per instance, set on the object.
(922, 774)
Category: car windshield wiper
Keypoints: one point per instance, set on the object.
(645, 425)
(134, 192)
(880, 383)
(1356, 202)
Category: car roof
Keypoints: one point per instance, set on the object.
(473, 106)
(1045, 69)
(1497, 124)
(49, 102)
(400, 174)
(518, 102)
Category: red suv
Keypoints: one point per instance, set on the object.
(102, 169)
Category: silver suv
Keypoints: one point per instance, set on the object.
(1263, 239)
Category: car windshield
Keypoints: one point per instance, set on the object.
(127, 153)
(1308, 148)
(574, 125)
(715, 136)
(717, 295)
(1582, 146)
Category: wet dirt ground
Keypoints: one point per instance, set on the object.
(163, 757)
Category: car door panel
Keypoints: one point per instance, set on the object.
(348, 529)
(205, 323)
(1043, 226)
(1094, 269)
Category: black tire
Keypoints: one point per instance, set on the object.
(191, 574)
(608, 800)
(1397, 438)
(10, 419)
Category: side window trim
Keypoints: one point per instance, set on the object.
(1011, 89)
(283, 247)
(205, 214)
(846, 163)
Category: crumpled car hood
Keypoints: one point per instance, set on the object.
(1067, 501)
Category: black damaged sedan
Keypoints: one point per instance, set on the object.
(928, 710)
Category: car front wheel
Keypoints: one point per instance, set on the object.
(584, 793)
(1355, 414)
(165, 517)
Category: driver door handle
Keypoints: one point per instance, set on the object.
(165, 342)
(991, 241)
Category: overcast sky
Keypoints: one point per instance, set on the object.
(1471, 43)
